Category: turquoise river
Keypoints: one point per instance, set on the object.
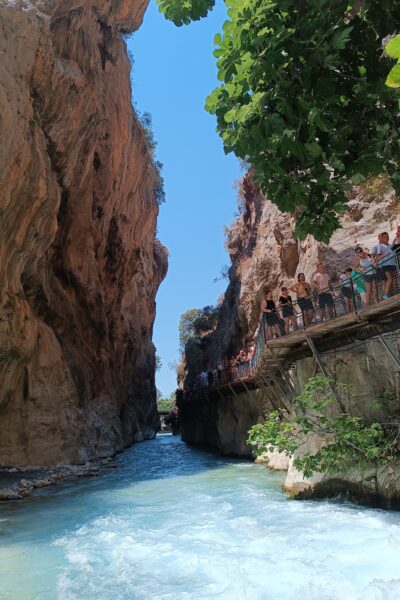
(177, 523)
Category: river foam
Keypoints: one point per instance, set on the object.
(178, 523)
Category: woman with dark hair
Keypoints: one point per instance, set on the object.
(365, 265)
(268, 308)
(288, 314)
(303, 290)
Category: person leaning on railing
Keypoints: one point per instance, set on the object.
(322, 281)
(268, 308)
(396, 242)
(302, 290)
(286, 306)
(364, 266)
(386, 261)
(346, 288)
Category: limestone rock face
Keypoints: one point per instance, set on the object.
(266, 255)
(224, 422)
(79, 262)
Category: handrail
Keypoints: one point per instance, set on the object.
(363, 289)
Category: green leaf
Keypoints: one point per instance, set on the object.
(393, 79)
(217, 39)
(341, 37)
(313, 149)
(393, 47)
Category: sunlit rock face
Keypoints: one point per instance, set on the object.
(79, 261)
(266, 255)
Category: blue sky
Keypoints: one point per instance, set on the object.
(174, 70)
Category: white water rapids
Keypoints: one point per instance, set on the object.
(177, 523)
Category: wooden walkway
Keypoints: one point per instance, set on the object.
(278, 355)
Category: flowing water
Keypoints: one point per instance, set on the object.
(177, 523)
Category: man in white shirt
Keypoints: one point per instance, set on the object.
(321, 281)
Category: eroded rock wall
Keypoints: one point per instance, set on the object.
(224, 421)
(79, 261)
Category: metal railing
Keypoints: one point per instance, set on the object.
(228, 374)
(363, 289)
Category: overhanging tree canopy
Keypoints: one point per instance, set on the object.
(303, 98)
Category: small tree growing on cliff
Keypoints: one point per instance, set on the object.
(186, 329)
(196, 321)
(351, 442)
(146, 121)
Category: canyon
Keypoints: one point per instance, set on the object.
(80, 262)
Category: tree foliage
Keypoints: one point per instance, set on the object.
(182, 12)
(147, 124)
(196, 321)
(351, 442)
(186, 330)
(303, 98)
(165, 403)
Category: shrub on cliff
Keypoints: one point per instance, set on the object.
(350, 441)
(147, 124)
(303, 98)
(195, 321)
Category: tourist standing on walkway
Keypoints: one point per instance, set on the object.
(386, 259)
(396, 241)
(365, 265)
(268, 308)
(347, 291)
(303, 290)
(321, 281)
(286, 305)
(396, 247)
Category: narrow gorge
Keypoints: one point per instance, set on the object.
(80, 262)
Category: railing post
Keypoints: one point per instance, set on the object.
(353, 295)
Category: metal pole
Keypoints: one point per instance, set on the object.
(353, 295)
(325, 373)
(220, 394)
(263, 328)
(289, 383)
(264, 384)
(283, 391)
(232, 390)
(395, 358)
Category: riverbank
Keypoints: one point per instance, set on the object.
(16, 484)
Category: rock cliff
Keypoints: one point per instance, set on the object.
(79, 261)
(265, 255)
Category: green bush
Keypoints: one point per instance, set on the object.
(351, 442)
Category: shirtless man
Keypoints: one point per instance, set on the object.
(303, 290)
(321, 281)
